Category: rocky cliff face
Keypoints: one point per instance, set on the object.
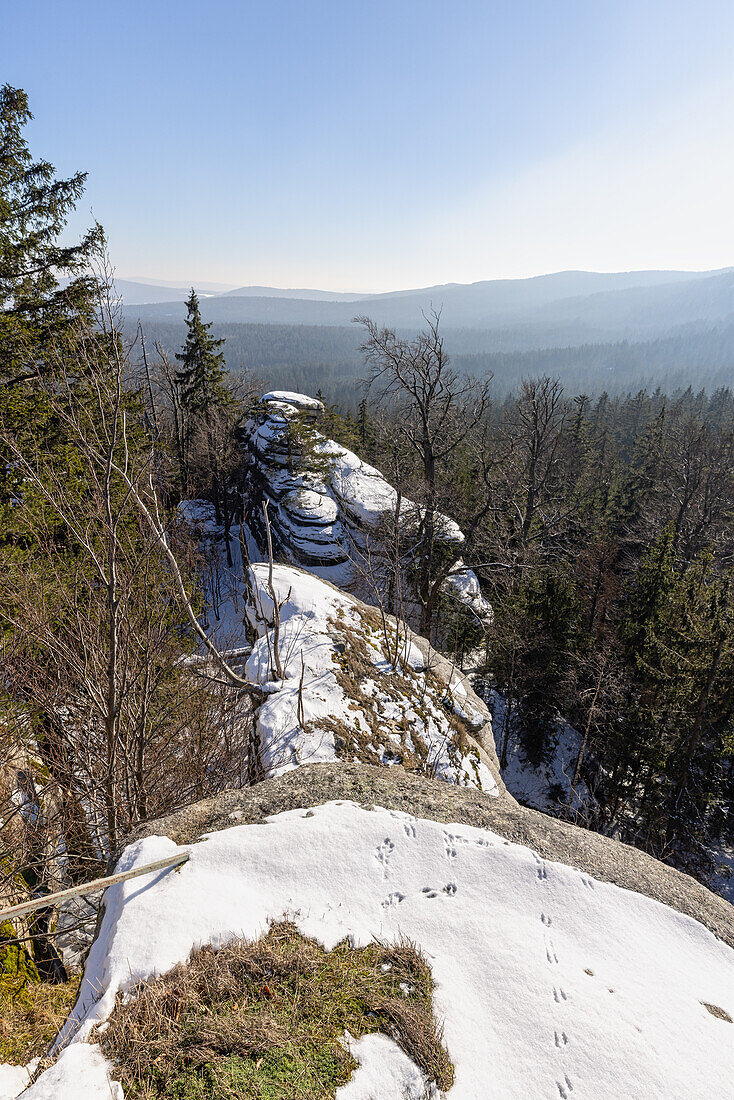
(356, 686)
(326, 506)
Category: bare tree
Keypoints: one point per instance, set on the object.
(112, 721)
(541, 416)
(439, 410)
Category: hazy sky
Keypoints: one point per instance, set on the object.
(378, 144)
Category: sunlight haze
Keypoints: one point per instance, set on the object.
(376, 147)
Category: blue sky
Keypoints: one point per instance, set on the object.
(395, 143)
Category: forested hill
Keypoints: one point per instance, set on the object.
(313, 357)
(582, 306)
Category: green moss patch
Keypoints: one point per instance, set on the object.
(31, 1011)
(266, 1020)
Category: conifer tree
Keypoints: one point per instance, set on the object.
(34, 207)
(202, 374)
(37, 313)
(204, 399)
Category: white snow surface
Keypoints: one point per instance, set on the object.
(534, 785)
(723, 881)
(367, 496)
(392, 712)
(80, 1073)
(295, 400)
(385, 1072)
(13, 1079)
(313, 615)
(551, 985)
(463, 584)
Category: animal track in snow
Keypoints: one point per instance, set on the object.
(393, 900)
(564, 1089)
(450, 843)
(383, 852)
(409, 829)
(550, 951)
(542, 870)
(587, 881)
(546, 920)
(432, 892)
(559, 995)
(561, 1039)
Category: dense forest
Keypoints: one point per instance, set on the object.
(312, 357)
(602, 532)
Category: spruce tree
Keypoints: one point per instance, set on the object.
(202, 374)
(34, 206)
(204, 398)
(37, 314)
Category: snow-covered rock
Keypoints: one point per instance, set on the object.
(550, 983)
(324, 501)
(13, 1079)
(357, 687)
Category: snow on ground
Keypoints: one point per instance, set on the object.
(385, 1072)
(13, 1079)
(223, 584)
(342, 698)
(723, 882)
(534, 785)
(80, 1073)
(552, 985)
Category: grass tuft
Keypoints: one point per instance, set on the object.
(266, 1020)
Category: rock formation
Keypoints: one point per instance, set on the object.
(358, 686)
(325, 503)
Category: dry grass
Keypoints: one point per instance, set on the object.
(266, 1020)
(31, 1014)
(424, 693)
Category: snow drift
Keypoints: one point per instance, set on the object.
(551, 984)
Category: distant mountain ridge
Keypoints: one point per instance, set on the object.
(304, 295)
(568, 308)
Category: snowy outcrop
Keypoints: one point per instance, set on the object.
(324, 501)
(549, 982)
(357, 687)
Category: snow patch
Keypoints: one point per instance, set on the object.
(340, 697)
(549, 982)
(80, 1073)
(536, 785)
(385, 1072)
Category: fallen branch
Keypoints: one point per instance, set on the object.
(49, 900)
